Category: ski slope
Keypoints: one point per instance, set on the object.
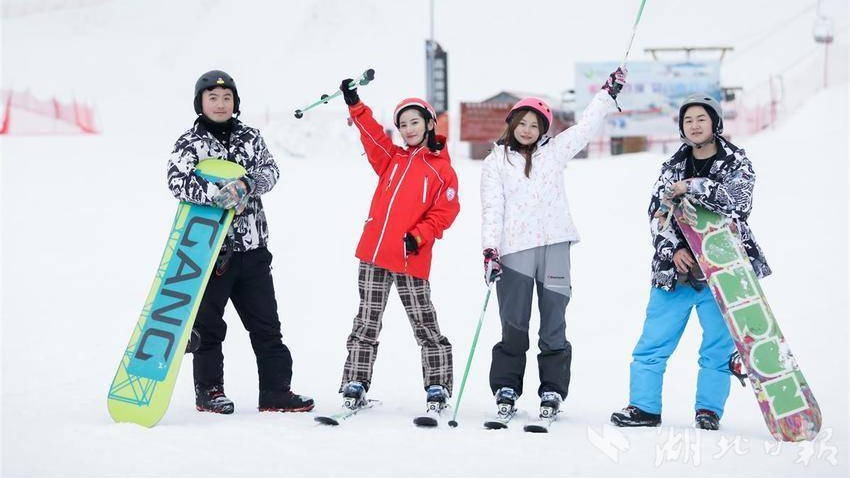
(84, 221)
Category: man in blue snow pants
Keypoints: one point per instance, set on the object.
(715, 174)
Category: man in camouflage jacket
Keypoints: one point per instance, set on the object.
(717, 175)
(243, 269)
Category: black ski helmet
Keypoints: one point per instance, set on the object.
(212, 79)
(712, 107)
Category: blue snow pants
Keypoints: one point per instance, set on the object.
(666, 316)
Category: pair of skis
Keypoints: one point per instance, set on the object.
(540, 425)
(425, 421)
(429, 420)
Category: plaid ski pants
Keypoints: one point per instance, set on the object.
(374, 284)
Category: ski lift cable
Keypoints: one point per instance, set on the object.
(814, 50)
(761, 38)
(809, 53)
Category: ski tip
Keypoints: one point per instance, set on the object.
(326, 421)
(495, 425)
(299, 114)
(426, 422)
(452, 423)
(535, 429)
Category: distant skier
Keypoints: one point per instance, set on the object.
(243, 268)
(527, 232)
(415, 201)
(714, 173)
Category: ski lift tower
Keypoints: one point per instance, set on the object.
(824, 32)
(436, 78)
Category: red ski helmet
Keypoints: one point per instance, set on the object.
(419, 103)
(536, 104)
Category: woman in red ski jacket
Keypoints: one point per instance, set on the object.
(415, 200)
(416, 196)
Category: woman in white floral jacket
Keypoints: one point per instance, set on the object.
(526, 233)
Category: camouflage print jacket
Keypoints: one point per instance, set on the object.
(727, 190)
(247, 148)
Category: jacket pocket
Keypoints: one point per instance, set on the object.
(404, 256)
(424, 189)
(392, 175)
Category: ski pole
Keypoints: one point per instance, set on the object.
(634, 30)
(364, 80)
(453, 421)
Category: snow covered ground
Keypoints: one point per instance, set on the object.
(84, 222)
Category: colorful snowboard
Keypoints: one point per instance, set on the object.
(142, 388)
(784, 396)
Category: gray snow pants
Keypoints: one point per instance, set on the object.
(548, 267)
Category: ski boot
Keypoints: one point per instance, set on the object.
(707, 420)
(283, 401)
(436, 398)
(213, 400)
(550, 404)
(506, 399)
(353, 395)
(736, 367)
(633, 416)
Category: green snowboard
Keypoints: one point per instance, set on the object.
(143, 385)
(784, 396)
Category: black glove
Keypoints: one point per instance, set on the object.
(351, 97)
(615, 82)
(410, 244)
(492, 265)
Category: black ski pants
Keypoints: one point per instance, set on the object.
(247, 281)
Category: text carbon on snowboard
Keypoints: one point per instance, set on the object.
(784, 396)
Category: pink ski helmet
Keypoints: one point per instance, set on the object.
(536, 104)
(413, 102)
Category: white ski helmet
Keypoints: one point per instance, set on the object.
(712, 107)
